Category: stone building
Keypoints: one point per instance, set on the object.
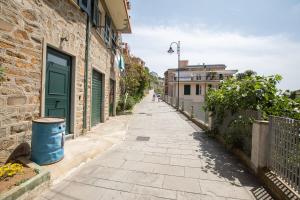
(59, 59)
(194, 80)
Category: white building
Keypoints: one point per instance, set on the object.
(194, 80)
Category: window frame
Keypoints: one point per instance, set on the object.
(107, 29)
(114, 38)
(96, 14)
(221, 76)
(197, 89)
(85, 8)
(186, 91)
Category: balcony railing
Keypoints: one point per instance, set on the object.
(204, 78)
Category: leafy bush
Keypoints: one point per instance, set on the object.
(128, 105)
(248, 92)
(252, 93)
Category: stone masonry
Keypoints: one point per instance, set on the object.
(27, 27)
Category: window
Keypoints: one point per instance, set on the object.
(114, 41)
(221, 76)
(209, 86)
(96, 14)
(85, 5)
(197, 89)
(187, 89)
(107, 29)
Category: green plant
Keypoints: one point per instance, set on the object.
(37, 171)
(2, 75)
(247, 92)
(251, 93)
(134, 83)
(126, 104)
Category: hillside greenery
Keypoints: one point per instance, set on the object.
(135, 82)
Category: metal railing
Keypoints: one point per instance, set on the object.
(194, 109)
(285, 150)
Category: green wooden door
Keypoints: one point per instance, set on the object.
(96, 97)
(57, 88)
(111, 97)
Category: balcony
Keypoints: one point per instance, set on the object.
(118, 10)
(207, 78)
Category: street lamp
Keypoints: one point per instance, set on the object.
(170, 51)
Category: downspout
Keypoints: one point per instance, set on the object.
(87, 47)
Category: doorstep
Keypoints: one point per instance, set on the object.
(84, 148)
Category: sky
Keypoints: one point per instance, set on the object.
(261, 35)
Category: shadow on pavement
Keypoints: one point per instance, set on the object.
(219, 161)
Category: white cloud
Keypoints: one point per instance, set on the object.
(267, 55)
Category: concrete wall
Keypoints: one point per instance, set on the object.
(27, 27)
(261, 141)
(193, 97)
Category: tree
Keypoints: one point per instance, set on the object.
(252, 93)
(245, 74)
(237, 96)
(134, 82)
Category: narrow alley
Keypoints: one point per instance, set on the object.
(164, 156)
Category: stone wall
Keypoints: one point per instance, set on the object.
(27, 27)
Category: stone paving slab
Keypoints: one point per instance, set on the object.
(179, 162)
(182, 184)
(80, 150)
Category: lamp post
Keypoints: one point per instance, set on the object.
(170, 51)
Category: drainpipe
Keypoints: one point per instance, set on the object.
(87, 47)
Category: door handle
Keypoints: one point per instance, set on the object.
(56, 102)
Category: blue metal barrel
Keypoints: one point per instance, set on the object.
(47, 142)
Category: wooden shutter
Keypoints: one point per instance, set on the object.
(85, 5)
(107, 28)
(96, 14)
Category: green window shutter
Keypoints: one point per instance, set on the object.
(114, 42)
(96, 98)
(197, 89)
(107, 28)
(96, 14)
(187, 89)
(85, 5)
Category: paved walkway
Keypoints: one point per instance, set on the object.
(78, 151)
(178, 162)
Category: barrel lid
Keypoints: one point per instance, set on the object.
(49, 120)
